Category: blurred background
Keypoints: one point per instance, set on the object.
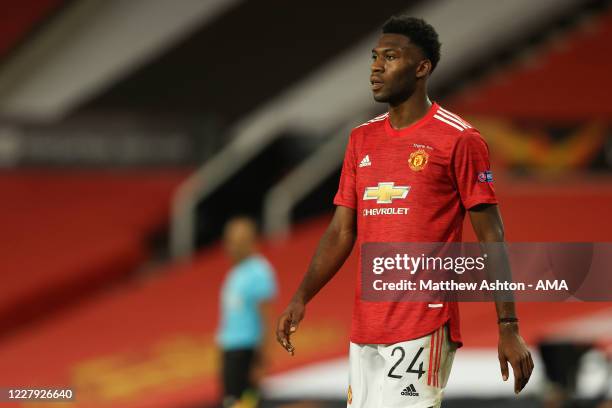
(132, 130)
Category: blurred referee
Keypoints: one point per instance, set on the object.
(246, 314)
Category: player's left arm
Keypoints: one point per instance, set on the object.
(487, 223)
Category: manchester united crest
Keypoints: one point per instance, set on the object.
(418, 160)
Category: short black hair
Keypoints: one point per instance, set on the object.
(420, 33)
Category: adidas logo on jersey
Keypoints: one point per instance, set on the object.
(366, 161)
(410, 391)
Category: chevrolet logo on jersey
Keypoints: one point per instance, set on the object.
(385, 193)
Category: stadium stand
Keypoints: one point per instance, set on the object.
(66, 234)
(558, 82)
(19, 19)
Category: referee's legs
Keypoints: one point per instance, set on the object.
(235, 375)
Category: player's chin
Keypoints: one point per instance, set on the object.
(380, 97)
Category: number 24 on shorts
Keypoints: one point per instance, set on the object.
(411, 369)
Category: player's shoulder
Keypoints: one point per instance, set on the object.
(368, 130)
(453, 123)
(373, 123)
(261, 265)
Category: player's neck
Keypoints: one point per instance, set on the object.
(243, 256)
(409, 111)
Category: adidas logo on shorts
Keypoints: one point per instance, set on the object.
(410, 391)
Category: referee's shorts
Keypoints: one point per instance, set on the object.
(236, 373)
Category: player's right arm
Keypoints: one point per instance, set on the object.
(334, 247)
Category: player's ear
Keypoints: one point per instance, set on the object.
(423, 68)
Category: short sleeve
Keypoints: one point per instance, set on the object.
(472, 170)
(263, 283)
(346, 194)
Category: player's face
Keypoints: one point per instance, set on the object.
(397, 64)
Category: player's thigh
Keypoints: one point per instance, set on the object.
(416, 371)
(366, 367)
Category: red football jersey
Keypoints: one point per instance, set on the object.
(411, 185)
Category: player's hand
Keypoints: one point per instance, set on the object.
(288, 323)
(512, 349)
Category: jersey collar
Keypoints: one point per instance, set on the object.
(406, 130)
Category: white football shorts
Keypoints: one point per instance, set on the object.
(411, 373)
